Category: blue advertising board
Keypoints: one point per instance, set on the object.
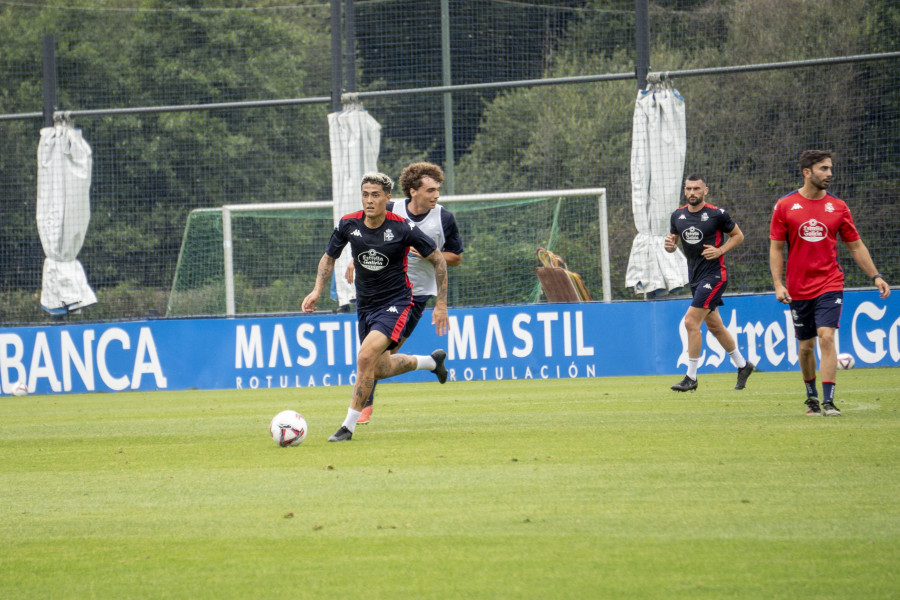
(539, 341)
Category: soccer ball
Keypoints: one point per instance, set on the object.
(288, 428)
(20, 390)
(845, 361)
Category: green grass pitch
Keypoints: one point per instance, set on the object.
(602, 488)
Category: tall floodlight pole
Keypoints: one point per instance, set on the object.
(337, 71)
(449, 158)
(642, 41)
(49, 60)
(350, 44)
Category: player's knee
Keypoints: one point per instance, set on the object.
(805, 348)
(692, 324)
(826, 342)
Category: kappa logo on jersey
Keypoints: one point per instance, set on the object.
(356, 233)
(704, 217)
(707, 287)
(372, 260)
(813, 231)
(838, 301)
(692, 235)
(393, 309)
(829, 207)
(796, 206)
(388, 235)
(682, 217)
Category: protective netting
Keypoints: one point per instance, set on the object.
(745, 131)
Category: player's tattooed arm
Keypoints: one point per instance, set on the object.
(439, 315)
(323, 276)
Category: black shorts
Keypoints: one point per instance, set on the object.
(821, 311)
(708, 293)
(415, 313)
(390, 320)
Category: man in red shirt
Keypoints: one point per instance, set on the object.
(810, 221)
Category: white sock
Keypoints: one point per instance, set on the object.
(426, 363)
(350, 421)
(737, 358)
(693, 363)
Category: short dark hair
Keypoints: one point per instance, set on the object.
(411, 177)
(386, 183)
(696, 177)
(808, 158)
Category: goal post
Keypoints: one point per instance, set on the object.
(261, 258)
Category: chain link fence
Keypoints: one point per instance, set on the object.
(561, 129)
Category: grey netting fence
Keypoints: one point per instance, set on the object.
(745, 129)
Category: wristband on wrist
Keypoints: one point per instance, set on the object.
(876, 276)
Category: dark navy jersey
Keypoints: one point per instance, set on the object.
(379, 256)
(706, 227)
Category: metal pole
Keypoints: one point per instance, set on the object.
(604, 247)
(449, 158)
(337, 70)
(228, 253)
(350, 35)
(49, 60)
(642, 41)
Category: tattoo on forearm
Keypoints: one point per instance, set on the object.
(326, 267)
(440, 277)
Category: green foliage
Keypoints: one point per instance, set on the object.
(151, 169)
(744, 131)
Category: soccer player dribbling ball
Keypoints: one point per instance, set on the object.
(810, 221)
(380, 242)
(421, 183)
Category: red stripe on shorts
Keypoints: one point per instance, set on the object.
(712, 294)
(400, 324)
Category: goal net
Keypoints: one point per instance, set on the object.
(262, 258)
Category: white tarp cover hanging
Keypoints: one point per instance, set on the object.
(657, 163)
(63, 214)
(355, 143)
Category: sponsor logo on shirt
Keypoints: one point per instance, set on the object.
(372, 260)
(356, 233)
(682, 217)
(813, 231)
(692, 235)
(796, 206)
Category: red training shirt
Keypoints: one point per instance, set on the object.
(811, 228)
